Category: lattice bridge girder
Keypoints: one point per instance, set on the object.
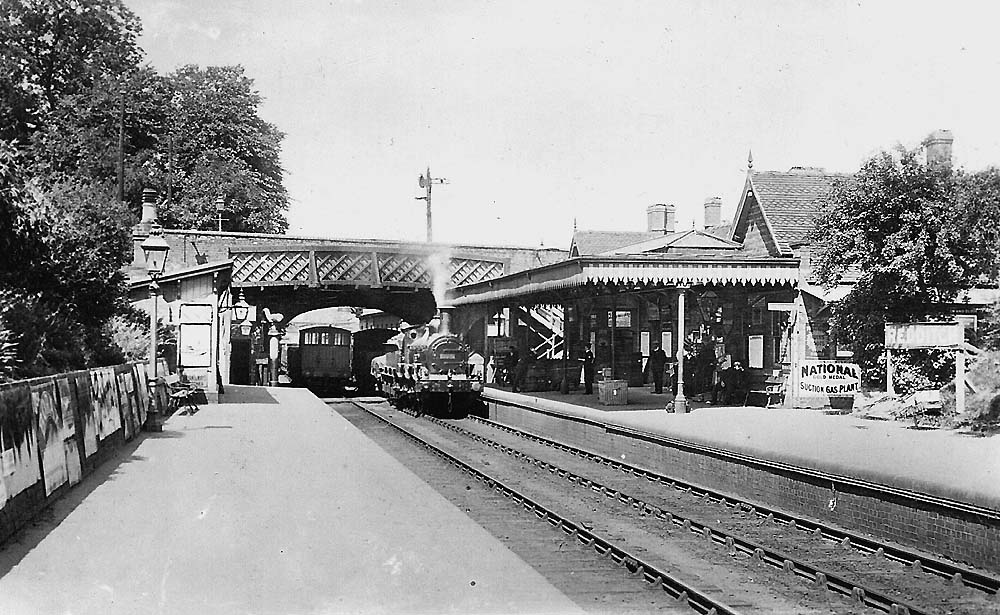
(325, 266)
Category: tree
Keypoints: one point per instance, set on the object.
(49, 50)
(70, 73)
(70, 80)
(914, 236)
(221, 147)
(194, 133)
(62, 280)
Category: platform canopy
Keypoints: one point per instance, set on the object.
(634, 272)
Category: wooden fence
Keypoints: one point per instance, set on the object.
(55, 430)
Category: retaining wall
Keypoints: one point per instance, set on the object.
(961, 531)
(56, 429)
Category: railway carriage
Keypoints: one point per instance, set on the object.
(325, 359)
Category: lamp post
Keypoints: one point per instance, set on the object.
(220, 208)
(155, 250)
(275, 318)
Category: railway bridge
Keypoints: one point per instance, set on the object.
(207, 273)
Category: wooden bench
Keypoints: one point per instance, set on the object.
(182, 394)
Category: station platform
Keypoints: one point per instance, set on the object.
(266, 503)
(945, 463)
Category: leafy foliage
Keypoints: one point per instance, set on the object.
(989, 330)
(221, 147)
(70, 80)
(8, 352)
(49, 50)
(913, 236)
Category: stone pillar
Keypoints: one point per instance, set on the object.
(680, 404)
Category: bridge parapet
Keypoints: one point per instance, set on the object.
(372, 266)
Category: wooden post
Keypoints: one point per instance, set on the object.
(486, 340)
(614, 314)
(889, 386)
(960, 381)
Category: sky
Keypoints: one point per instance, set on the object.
(545, 114)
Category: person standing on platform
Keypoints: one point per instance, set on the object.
(513, 358)
(520, 370)
(657, 361)
(588, 370)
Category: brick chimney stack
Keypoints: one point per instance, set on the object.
(938, 149)
(660, 218)
(713, 211)
(141, 230)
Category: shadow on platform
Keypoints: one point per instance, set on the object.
(34, 532)
(245, 394)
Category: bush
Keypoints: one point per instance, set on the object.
(982, 404)
(919, 370)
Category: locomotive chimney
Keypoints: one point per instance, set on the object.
(445, 311)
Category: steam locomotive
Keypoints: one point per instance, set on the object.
(429, 371)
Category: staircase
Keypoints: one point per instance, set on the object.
(545, 322)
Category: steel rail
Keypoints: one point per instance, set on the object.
(634, 565)
(924, 562)
(734, 543)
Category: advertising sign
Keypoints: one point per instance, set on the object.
(829, 378)
(923, 335)
(196, 345)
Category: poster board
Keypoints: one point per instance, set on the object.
(195, 343)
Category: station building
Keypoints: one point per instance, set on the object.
(741, 291)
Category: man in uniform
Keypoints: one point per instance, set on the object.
(657, 360)
(588, 370)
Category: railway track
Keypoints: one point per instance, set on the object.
(846, 563)
(868, 575)
(594, 569)
(927, 563)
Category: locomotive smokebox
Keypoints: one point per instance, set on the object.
(446, 313)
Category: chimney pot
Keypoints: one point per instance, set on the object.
(660, 218)
(656, 218)
(938, 149)
(148, 206)
(713, 211)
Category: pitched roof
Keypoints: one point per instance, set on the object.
(588, 243)
(791, 200)
(692, 238)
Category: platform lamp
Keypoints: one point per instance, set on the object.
(241, 309)
(273, 350)
(155, 250)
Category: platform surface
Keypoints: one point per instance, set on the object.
(941, 462)
(274, 504)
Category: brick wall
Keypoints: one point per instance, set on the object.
(969, 535)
